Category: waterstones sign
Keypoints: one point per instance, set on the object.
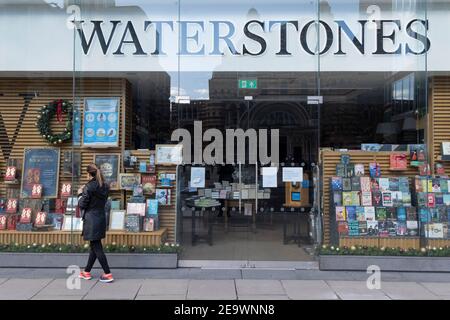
(131, 39)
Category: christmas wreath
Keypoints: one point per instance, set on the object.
(47, 112)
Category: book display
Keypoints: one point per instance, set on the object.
(372, 206)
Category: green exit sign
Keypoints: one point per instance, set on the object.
(248, 84)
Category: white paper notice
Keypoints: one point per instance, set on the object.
(269, 177)
(292, 174)
(197, 177)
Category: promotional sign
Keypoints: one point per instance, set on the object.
(269, 177)
(292, 174)
(197, 177)
(101, 122)
(40, 166)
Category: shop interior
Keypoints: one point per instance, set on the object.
(268, 224)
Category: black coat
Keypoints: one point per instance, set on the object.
(92, 203)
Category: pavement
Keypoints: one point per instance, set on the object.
(221, 284)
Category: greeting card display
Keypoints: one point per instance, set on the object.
(25, 216)
(36, 191)
(11, 205)
(66, 190)
(398, 161)
(40, 218)
(11, 174)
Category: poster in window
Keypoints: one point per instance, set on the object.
(40, 166)
(101, 122)
(109, 165)
(167, 154)
(197, 177)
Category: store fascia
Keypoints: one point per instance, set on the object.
(386, 30)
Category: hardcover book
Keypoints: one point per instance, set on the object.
(25, 216)
(163, 196)
(392, 228)
(345, 159)
(360, 214)
(401, 228)
(444, 185)
(340, 214)
(394, 184)
(148, 184)
(351, 213)
(369, 213)
(397, 198)
(431, 200)
(412, 228)
(372, 228)
(143, 166)
(446, 199)
(435, 185)
(434, 213)
(377, 199)
(439, 169)
(401, 214)
(356, 183)
(356, 198)
(353, 228)
(347, 184)
(429, 185)
(133, 223)
(340, 170)
(3, 222)
(337, 198)
(375, 170)
(350, 170)
(420, 184)
(398, 161)
(403, 184)
(384, 184)
(336, 184)
(387, 199)
(374, 184)
(421, 199)
(365, 184)
(391, 213)
(347, 198)
(434, 230)
(363, 228)
(136, 209)
(383, 229)
(343, 228)
(359, 169)
(439, 198)
(380, 213)
(411, 214)
(366, 198)
(406, 198)
(424, 215)
(152, 207)
(149, 225)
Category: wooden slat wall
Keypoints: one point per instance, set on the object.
(167, 214)
(329, 159)
(439, 117)
(155, 238)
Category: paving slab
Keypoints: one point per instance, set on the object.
(117, 290)
(406, 291)
(247, 287)
(263, 297)
(162, 287)
(3, 280)
(356, 290)
(162, 297)
(439, 289)
(59, 287)
(308, 290)
(56, 298)
(211, 290)
(21, 289)
(269, 274)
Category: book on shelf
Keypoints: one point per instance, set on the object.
(343, 228)
(353, 228)
(374, 170)
(380, 213)
(362, 228)
(412, 228)
(439, 199)
(374, 185)
(398, 161)
(411, 213)
(372, 228)
(435, 185)
(394, 184)
(377, 199)
(369, 213)
(360, 214)
(406, 199)
(351, 213)
(383, 230)
(384, 184)
(403, 184)
(401, 214)
(347, 198)
(356, 198)
(366, 198)
(365, 184)
(346, 184)
(431, 200)
(337, 198)
(356, 183)
(387, 199)
(340, 214)
(336, 184)
(397, 198)
(391, 213)
(424, 215)
(359, 169)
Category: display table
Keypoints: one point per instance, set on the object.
(295, 217)
(154, 238)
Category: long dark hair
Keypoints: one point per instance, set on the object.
(95, 173)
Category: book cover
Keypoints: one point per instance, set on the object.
(374, 170)
(439, 169)
(429, 185)
(412, 228)
(136, 209)
(152, 207)
(377, 198)
(41, 218)
(356, 183)
(397, 198)
(25, 216)
(349, 170)
(391, 213)
(337, 198)
(353, 228)
(392, 228)
(356, 198)
(11, 173)
(380, 213)
(366, 198)
(336, 184)
(401, 214)
(36, 191)
(383, 229)
(374, 185)
(434, 214)
(424, 215)
(406, 199)
(401, 228)
(340, 170)
(434, 230)
(360, 214)
(359, 169)
(411, 213)
(365, 184)
(435, 185)
(421, 199)
(163, 196)
(439, 199)
(60, 205)
(148, 183)
(384, 184)
(143, 166)
(343, 228)
(340, 214)
(387, 199)
(2, 222)
(446, 199)
(351, 213)
(66, 190)
(346, 184)
(345, 159)
(347, 198)
(403, 184)
(418, 184)
(11, 205)
(369, 213)
(444, 186)
(431, 200)
(394, 184)
(363, 228)
(398, 161)
(132, 223)
(372, 228)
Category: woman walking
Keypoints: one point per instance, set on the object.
(92, 200)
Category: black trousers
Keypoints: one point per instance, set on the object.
(97, 253)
